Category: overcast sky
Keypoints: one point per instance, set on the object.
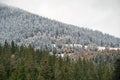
(103, 15)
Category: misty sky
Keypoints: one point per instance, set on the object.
(103, 15)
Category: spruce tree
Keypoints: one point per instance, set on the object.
(0, 50)
(12, 47)
(116, 74)
(2, 72)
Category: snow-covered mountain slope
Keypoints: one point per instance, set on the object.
(27, 28)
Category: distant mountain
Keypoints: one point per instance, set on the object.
(27, 28)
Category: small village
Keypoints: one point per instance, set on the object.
(89, 52)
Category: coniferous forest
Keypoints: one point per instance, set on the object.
(26, 63)
(34, 47)
(26, 28)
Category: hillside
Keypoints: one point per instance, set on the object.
(27, 28)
